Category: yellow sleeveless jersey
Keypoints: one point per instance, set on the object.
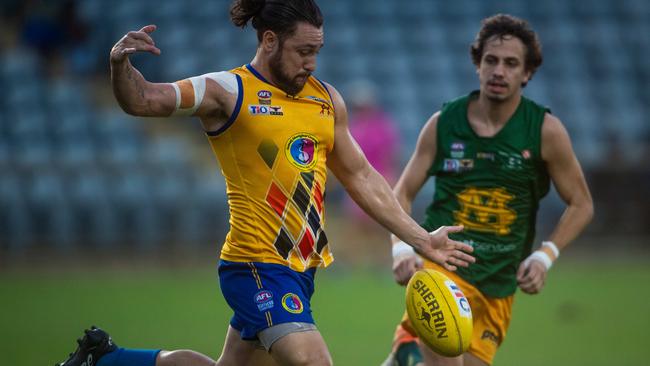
(272, 153)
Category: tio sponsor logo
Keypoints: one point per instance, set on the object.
(265, 110)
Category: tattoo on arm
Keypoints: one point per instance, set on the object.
(129, 74)
(138, 84)
(140, 90)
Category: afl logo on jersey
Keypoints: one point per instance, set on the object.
(264, 96)
(301, 151)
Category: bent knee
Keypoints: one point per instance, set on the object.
(311, 359)
(183, 357)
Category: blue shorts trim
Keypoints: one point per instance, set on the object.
(264, 294)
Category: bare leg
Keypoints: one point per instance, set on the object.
(238, 352)
(261, 358)
(302, 348)
(471, 360)
(431, 358)
(183, 358)
(191, 358)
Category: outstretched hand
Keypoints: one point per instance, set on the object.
(134, 41)
(446, 252)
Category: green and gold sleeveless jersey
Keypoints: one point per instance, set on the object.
(492, 186)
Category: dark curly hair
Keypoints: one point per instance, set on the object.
(502, 26)
(279, 16)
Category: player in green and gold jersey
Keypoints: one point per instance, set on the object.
(493, 153)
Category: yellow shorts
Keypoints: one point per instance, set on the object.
(491, 319)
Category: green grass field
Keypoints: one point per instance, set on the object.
(590, 314)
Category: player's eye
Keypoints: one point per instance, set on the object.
(512, 63)
(490, 60)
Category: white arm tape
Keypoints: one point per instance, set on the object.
(541, 257)
(552, 247)
(177, 90)
(401, 248)
(227, 80)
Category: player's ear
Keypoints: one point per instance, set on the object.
(269, 40)
(527, 75)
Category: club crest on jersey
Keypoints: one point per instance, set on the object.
(264, 97)
(264, 300)
(291, 303)
(265, 110)
(301, 151)
(485, 210)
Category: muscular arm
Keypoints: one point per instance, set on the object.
(569, 181)
(139, 97)
(415, 174)
(136, 95)
(373, 194)
(409, 184)
(565, 171)
(365, 185)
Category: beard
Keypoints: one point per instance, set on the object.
(496, 98)
(289, 84)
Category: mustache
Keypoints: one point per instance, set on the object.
(497, 82)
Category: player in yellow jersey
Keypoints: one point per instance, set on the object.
(275, 130)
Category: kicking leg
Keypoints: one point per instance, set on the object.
(238, 352)
(431, 358)
(301, 349)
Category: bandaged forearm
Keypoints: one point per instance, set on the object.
(546, 254)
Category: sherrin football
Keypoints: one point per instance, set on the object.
(439, 312)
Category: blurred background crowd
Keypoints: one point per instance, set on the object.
(77, 173)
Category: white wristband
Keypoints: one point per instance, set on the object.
(401, 248)
(550, 245)
(541, 257)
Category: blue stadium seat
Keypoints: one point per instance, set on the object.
(94, 213)
(130, 195)
(15, 224)
(48, 208)
(205, 211)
